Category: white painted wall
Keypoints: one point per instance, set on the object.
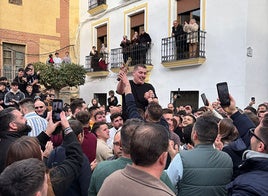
(231, 27)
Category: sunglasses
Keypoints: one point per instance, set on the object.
(38, 107)
(251, 131)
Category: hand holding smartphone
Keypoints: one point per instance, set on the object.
(223, 94)
(57, 107)
(204, 99)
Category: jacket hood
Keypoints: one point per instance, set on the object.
(248, 154)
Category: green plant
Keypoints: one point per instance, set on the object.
(58, 78)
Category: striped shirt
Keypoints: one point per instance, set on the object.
(37, 123)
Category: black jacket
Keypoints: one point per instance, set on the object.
(253, 176)
(6, 139)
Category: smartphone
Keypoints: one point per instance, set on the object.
(204, 98)
(57, 107)
(223, 94)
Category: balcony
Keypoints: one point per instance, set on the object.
(176, 53)
(140, 54)
(97, 66)
(96, 6)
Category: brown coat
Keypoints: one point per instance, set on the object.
(133, 182)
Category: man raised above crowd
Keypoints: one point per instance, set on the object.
(141, 90)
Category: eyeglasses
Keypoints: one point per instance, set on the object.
(251, 131)
(38, 107)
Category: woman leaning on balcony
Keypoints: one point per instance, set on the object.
(192, 36)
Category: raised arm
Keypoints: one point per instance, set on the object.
(63, 175)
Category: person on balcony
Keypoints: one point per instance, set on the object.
(103, 61)
(50, 59)
(94, 59)
(125, 44)
(135, 41)
(145, 43)
(57, 60)
(180, 39)
(192, 37)
(67, 59)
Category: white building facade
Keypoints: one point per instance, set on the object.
(235, 46)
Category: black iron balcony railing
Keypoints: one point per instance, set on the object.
(97, 63)
(140, 54)
(183, 47)
(94, 3)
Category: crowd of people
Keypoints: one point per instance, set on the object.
(134, 148)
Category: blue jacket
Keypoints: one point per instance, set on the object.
(253, 176)
(236, 148)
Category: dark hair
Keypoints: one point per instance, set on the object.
(167, 111)
(14, 83)
(92, 109)
(83, 117)
(27, 69)
(98, 113)
(96, 126)
(227, 130)
(139, 65)
(6, 116)
(154, 111)
(181, 112)
(127, 131)
(28, 103)
(206, 128)
(111, 92)
(20, 69)
(25, 177)
(23, 148)
(3, 78)
(115, 115)
(3, 83)
(262, 104)
(157, 140)
(77, 103)
(252, 109)
(76, 126)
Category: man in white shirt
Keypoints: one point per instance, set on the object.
(57, 60)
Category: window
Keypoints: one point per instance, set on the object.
(187, 10)
(16, 2)
(102, 97)
(184, 98)
(137, 23)
(13, 59)
(101, 36)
